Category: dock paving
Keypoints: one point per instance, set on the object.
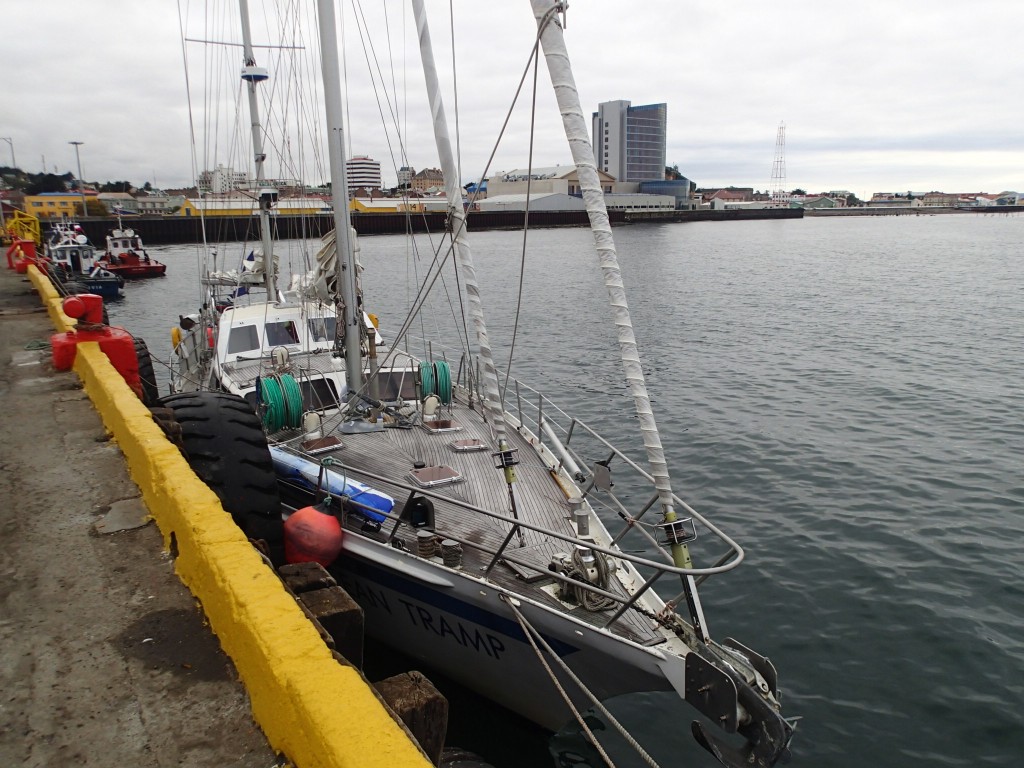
(105, 658)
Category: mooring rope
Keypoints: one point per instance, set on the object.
(532, 633)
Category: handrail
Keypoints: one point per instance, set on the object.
(555, 435)
(519, 417)
(617, 553)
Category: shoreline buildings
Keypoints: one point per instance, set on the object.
(362, 171)
(629, 142)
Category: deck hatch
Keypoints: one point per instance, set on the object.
(430, 477)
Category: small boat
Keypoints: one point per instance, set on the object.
(484, 530)
(74, 264)
(127, 257)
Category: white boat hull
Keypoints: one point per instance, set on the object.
(461, 626)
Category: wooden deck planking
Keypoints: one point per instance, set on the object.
(539, 500)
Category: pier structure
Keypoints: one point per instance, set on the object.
(106, 659)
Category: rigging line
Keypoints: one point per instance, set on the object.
(531, 633)
(455, 88)
(458, 161)
(422, 295)
(374, 68)
(192, 137)
(508, 116)
(526, 224)
(464, 341)
(528, 631)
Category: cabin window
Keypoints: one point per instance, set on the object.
(243, 339)
(279, 334)
(322, 328)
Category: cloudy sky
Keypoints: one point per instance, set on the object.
(875, 95)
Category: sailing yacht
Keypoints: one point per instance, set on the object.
(485, 531)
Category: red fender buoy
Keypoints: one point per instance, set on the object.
(312, 536)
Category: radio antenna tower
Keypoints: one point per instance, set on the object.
(780, 197)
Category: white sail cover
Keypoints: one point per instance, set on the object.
(576, 131)
(323, 278)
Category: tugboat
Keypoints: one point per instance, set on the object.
(126, 257)
(74, 265)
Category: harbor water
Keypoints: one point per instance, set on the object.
(844, 398)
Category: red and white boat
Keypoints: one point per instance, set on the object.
(125, 255)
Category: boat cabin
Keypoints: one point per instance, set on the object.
(255, 341)
(76, 258)
(121, 241)
(252, 332)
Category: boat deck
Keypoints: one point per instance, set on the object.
(540, 501)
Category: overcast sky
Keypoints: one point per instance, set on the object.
(875, 95)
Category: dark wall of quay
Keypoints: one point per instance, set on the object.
(166, 230)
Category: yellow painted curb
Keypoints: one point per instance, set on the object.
(311, 708)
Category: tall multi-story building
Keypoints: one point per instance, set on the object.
(222, 179)
(629, 142)
(363, 172)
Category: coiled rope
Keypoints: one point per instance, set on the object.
(588, 599)
(443, 374)
(282, 399)
(427, 379)
(436, 379)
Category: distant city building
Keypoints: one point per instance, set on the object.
(405, 174)
(629, 142)
(818, 202)
(247, 205)
(539, 201)
(428, 178)
(159, 203)
(732, 194)
(363, 171)
(222, 179)
(681, 189)
(50, 205)
(891, 200)
(554, 179)
(118, 201)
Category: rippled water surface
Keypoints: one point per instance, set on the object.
(844, 396)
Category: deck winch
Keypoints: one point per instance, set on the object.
(583, 568)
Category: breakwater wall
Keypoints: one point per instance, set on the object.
(913, 211)
(167, 230)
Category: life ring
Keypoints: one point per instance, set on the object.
(175, 336)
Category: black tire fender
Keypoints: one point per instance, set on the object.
(147, 376)
(226, 447)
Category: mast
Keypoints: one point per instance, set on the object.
(353, 314)
(254, 75)
(457, 216)
(564, 85)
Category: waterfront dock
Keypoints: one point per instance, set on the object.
(108, 659)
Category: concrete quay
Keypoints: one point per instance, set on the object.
(113, 650)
